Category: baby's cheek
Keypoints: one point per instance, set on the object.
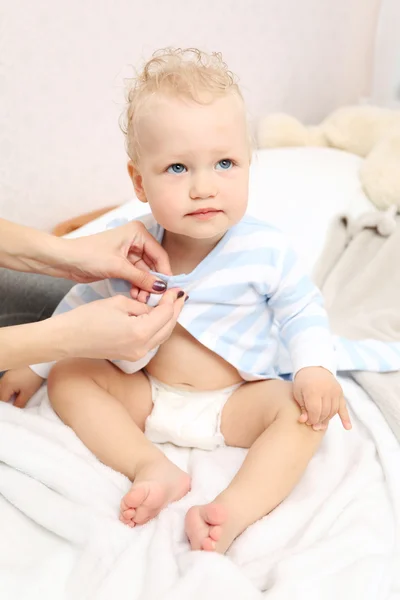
(167, 211)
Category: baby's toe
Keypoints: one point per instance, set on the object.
(215, 533)
(129, 513)
(208, 545)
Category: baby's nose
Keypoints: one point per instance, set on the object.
(203, 187)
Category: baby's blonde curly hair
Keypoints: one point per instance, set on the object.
(187, 72)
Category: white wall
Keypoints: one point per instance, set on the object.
(386, 80)
(61, 65)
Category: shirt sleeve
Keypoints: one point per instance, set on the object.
(297, 305)
(80, 294)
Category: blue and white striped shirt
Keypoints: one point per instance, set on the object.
(247, 287)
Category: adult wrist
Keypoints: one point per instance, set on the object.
(43, 253)
(62, 338)
(33, 343)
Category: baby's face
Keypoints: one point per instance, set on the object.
(194, 164)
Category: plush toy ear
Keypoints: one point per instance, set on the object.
(379, 173)
(316, 136)
(358, 129)
(137, 181)
(280, 130)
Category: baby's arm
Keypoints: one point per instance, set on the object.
(304, 328)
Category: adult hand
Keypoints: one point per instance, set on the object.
(127, 252)
(119, 327)
(114, 328)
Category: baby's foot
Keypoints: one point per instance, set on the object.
(210, 527)
(157, 484)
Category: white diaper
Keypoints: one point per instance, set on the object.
(186, 418)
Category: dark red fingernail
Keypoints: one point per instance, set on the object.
(187, 298)
(159, 286)
(180, 294)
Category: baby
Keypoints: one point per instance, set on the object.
(215, 382)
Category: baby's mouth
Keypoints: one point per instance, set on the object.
(204, 211)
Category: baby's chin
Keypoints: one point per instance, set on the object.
(203, 230)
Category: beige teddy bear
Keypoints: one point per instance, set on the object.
(369, 131)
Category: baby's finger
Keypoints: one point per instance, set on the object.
(304, 415)
(313, 404)
(335, 405)
(298, 396)
(6, 393)
(21, 399)
(321, 426)
(344, 415)
(326, 408)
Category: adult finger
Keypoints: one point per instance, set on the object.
(164, 332)
(143, 296)
(162, 319)
(141, 263)
(139, 278)
(172, 295)
(133, 307)
(134, 292)
(157, 255)
(152, 323)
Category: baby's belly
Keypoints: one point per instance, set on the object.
(183, 362)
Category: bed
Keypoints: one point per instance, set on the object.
(336, 536)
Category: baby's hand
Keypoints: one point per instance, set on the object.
(22, 382)
(320, 398)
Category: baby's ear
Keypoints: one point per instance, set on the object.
(137, 181)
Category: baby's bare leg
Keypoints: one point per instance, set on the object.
(262, 416)
(107, 409)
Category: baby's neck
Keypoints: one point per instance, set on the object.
(186, 253)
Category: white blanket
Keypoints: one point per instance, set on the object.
(336, 536)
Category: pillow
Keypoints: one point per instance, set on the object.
(299, 190)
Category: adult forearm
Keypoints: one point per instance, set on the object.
(26, 249)
(32, 343)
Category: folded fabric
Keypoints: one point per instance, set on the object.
(336, 536)
(359, 276)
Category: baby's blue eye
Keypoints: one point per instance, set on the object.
(177, 168)
(225, 164)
